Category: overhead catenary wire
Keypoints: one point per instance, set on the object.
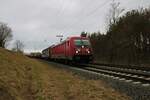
(97, 8)
(89, 14)
(62, 9)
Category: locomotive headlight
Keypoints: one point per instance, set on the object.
(88, 51)
(77, 51)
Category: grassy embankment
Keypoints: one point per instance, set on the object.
(22, 78)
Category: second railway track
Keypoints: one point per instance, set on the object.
(136, 86)
(140, 76)
(128, 74)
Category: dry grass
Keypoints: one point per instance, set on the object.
(22, 78)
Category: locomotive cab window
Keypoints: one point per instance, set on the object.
(86, 42)
(79, 42)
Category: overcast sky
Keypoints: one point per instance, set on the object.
(37, 22)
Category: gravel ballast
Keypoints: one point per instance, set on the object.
(135, 90)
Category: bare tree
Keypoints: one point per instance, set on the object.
(18, 46)
(5, 34)
(114, 12)
(113, 16)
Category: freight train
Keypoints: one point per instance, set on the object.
(74, 49)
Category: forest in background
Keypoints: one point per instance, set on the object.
(127, 40)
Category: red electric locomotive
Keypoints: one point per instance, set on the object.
(77, 49)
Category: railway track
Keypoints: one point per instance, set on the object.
(134, 67)
(123, 73)
(139, 76)
(129, 81)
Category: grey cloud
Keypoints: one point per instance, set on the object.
(36, 21)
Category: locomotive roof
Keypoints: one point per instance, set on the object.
(73, 37)
(49, 47)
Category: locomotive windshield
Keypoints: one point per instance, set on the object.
(80, 42)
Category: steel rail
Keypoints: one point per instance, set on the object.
(137, 77)
(135, 67)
